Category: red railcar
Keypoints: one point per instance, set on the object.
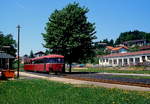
(49, 63)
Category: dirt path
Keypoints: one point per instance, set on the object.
(74, 81)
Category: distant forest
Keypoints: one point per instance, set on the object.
(127, 36)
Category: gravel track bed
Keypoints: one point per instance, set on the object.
(110, 79)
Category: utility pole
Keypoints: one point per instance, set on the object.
(18, 27)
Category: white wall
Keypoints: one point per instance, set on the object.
(103, 62)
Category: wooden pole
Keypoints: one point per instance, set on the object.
(18, 27)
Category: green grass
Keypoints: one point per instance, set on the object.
(111, 71)
(37, 91)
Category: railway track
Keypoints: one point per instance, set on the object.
(110, 79)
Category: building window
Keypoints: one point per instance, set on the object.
(137, 60)
(103, 60)
(125, 62)
(106, 60)
(115, 61)
(120, 62)
(110, 61)
(131, 61)
(148, 57)
(143, 58)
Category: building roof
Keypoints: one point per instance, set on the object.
(116, 48)
(109, 47)
(5, 55)
(134, 41)
(40, 52)
(127, 54)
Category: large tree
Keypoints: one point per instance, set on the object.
(68, 32)
(7, 44)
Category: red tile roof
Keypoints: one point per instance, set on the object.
(116, 48)
(127, 54)
(109, 47)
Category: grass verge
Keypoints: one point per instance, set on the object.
(37, 91)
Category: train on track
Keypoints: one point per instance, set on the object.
(48, 63)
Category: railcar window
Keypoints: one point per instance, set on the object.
(55, 60)
(38, 61)
(60, 60)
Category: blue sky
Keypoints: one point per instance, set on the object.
(110, 16)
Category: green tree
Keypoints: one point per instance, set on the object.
(26, 56)
(31, 54)
(132, 35)
(48, 51)
(134, 49)
(111, 42)
(105, 41)
(7, 44)
(69, 33)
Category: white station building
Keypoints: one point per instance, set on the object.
(125, 58)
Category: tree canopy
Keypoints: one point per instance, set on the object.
(68, 32)
(132, 35)
(7, 44)
(31, 54)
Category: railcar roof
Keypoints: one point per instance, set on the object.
(48, 56)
